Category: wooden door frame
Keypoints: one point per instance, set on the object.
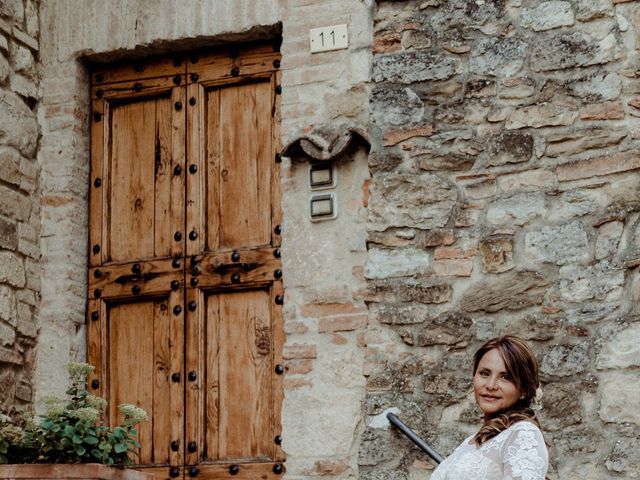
(151, 77)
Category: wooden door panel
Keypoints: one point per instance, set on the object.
(140, 365)
(239, 148)
(245, 365)
(140, 186)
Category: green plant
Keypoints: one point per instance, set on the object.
(70, 431)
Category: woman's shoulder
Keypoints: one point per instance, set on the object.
(524, 434)
(523, 426)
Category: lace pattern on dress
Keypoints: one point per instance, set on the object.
(517, 453)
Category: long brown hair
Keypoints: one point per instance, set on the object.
(522, 367)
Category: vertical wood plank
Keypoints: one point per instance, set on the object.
(131, 363)
(94, 344)
(131, 212)
(176, 390)
(245, 165)
(277, 395)
(195, 362)
(107, 149)
(161, 420)
(211, 140)
(162, 236)
(178, 182)
(276, 192)
(245, 375)
(96, 218)
(195, 181)
(212, 430)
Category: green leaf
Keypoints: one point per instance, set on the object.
(80, 450)
(76, 439)
(69, 431)
(120, 447)
(90, 440)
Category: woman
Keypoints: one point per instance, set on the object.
(509, 446)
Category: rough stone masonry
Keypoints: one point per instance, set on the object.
(505, 198)
(19, 206)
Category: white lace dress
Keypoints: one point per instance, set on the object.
(517, 453)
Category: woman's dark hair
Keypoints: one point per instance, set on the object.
(522, 367)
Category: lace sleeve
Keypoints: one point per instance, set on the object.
(524, 454)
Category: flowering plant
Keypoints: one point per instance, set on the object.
(70, 431)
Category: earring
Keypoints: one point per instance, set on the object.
(522, 397)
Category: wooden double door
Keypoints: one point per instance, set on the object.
(185, 293)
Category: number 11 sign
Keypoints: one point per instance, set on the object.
(328, 38)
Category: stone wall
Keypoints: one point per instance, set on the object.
(504, 198)
(19, 204)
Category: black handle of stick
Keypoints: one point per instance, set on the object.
(422, 445)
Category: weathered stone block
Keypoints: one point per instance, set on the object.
(538, 327)
(567, 50)
(564, 360)
(614, 163)
(498, 56)
(516, 88)
(384, 263)
(530, 180)
(18, 125)
(396, 291)
(576, 203)
(579, 439)
(13, 9)
(24, 86)
(518, 209)
(396, 106)
(509, 147)
(5, 68)
(410, 67)
(393, 136)
(597, 87)
(608, 239)
(7, 334)
(561, 406)
(8, 234)
(511, 291)
(622, 350)
(541, 115)
(603, 111)
(559, 244)
(435, 238)
(453, 267)
(399, 314)
(22, 59)
(602, 281)
(619, 394)
(623, 458)
(446, 389)
(548, 15)
(417, 201)
(11, 269)
(581, 140)
(451, 328)
(10, 165)
(7, 305)
(497, 254)
(591, 9)
(385, 161)
(14, 204)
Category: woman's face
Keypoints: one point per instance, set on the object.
(493, 388)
